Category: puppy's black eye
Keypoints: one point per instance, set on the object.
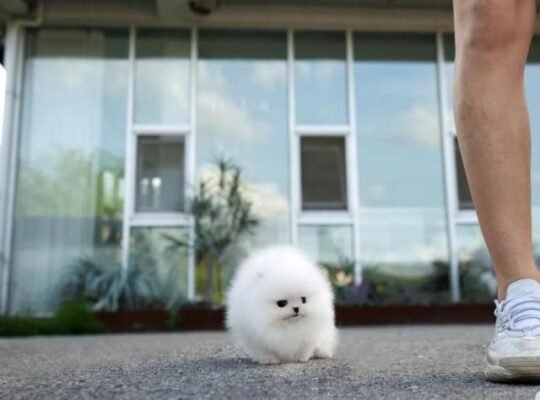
(281, 303)
(303, 300)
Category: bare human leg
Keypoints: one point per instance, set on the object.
(492, 42)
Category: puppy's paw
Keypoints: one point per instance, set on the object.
(322, 353)
(266, 360)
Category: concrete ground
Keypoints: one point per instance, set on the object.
(395, 362)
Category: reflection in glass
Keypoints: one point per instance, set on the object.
(532, 90)
(449, 54)
(242, 108)
(477, 279)
(160, 173)
(532, 86)
(465, 201)
(324, 180)
(70, 178)
(162, 77)
(464, 194)
(536, 234)
(402, 220)
(328, 245)
(152, 248)
(320, 78)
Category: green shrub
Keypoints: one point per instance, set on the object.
(173, 322)
(380, 287)
(73, 317)
(23, 326)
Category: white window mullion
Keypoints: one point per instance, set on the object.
(130, 161)
(325, 218)
(294, 142)
(151, 220)
(15, 43)
(352, 161)
(323, 130)
(466, 217)
(162, 130)
(191, 149)
(449, 171)
(319, 217)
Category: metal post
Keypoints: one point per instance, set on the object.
(14, 50)
(450, 189)
(352, 161)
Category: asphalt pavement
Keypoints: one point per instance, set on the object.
(392, 362)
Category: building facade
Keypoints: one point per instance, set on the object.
(338, 115)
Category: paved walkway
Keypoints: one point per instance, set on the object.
(420, 362)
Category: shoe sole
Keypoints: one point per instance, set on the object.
(512, 369)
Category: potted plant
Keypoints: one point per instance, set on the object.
(222, 217)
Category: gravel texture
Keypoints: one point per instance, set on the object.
(394, 362)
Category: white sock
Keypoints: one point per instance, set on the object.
(521, 287)
(516, 302)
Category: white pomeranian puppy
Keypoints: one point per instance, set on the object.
(280, 307)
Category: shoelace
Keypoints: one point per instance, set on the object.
(514, 310)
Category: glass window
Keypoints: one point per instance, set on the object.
(532, 84)
(478, 282)
(70, 178)
(477, 278)
(398, 122)
(243, 118)
(2, 100)
(402, 218)
(532, 90)
(324, 180)
(449, 55)
(320, 78)
(464, 193)
(331, 246)
(162, 77)
(160, 173)
(163, 252)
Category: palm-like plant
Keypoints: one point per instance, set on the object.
(108, 286)
(222, 216)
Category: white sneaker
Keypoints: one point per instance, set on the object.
(514, 353)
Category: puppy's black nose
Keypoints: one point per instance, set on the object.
(296, 309)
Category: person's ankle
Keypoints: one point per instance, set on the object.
(503, 283)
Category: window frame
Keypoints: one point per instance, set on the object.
(318, 206)
(462, 216)
(349, 216)
(158, 218)
(459, 215)
(331, 226)
(16, 41)
(137, 219)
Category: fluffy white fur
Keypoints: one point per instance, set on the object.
(272, 334)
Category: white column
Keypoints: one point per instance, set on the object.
(191, 150)
(294, 148)
(449, 169)
(14, 50)
(352, 161)
(129, 164)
